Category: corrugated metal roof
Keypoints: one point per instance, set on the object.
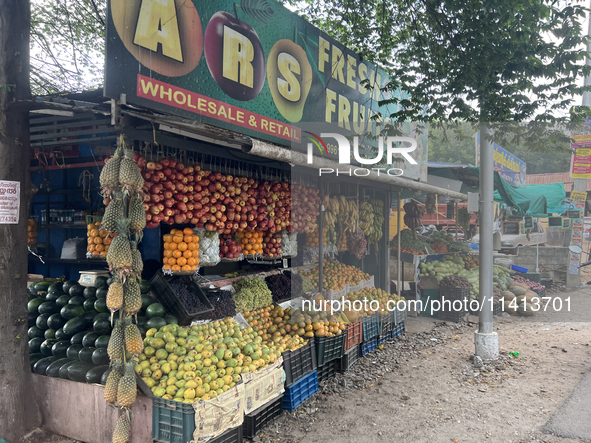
(557, 177)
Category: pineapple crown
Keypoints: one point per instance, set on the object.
(128, 153)
(123, 226)
(133, 244)
(130, 368)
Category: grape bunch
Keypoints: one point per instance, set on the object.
(284, 286)
(223, 304)
(189, 299)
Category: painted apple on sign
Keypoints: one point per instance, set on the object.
(234, 56)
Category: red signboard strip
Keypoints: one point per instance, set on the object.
(167, 94)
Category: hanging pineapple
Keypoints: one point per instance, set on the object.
(122, 184)
(109, 178)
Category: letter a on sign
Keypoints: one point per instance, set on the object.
(157, 24)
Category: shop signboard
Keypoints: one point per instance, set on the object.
(511, 168)
(249, 66)
(581, 163)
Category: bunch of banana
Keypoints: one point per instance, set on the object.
(366, 216)
(378, 221)
(349, 215)
(413, 215)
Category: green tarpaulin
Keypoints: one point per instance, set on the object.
(532, 200)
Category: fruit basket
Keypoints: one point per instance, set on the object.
(191, 304)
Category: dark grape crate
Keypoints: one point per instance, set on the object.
(260, 418)
(349, 359)
(233, 435)
(300, 362)
(165, 295)
(327, 371)
(300, 391)
(329, 348)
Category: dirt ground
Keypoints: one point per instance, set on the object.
(424, 387)
(435, 394)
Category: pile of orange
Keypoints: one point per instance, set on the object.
(181, 251)
(337, 275)
(312, 239)
(252, 242)
(32, 232)
(98, 240)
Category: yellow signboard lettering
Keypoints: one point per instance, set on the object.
(238, 57)
(289, 86)
(157, 25)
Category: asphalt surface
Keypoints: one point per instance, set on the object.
(573, 418)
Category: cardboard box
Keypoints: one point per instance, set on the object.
(263, 386)
(214, 417)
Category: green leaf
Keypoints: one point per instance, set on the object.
(258, 10)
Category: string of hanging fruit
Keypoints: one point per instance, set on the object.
(122, 182)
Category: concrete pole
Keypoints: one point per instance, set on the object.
(321, 239)
(398, 247)
(486, 340)
(587, 95)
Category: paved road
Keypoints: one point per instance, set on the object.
(573, 419)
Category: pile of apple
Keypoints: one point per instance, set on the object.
(177, 193)
(306, 203)
(272, 245)
(229, 247)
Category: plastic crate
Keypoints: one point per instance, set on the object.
(426, 304)
(170, 301)
(300, 391)
(540, 292)
(368, 346)
(348, 359)
(400, 315)
(260, 418)
(399, 330)
(387, 322)
(354, 335)
(448, 313)
(172, 421)
(327, 371)
(384, 338)
(371, 327)
(300, 362)
(233, 435)
(329, 348)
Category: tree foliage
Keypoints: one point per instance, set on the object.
(462, 60)
(67, 45)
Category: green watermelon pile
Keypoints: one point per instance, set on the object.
(70, 327)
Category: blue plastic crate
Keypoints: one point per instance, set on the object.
(368, 346)
(371, 327)
(300, 391)
(172, 421)
(385, 337)
(399, 330)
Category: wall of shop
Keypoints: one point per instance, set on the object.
(553, 263)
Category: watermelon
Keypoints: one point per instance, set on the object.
(34, 331)
(100, 282)
(68, 284)
(89, 292)
(89, 339)
(155, 310)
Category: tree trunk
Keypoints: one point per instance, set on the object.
(18, 409)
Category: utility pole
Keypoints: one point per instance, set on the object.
(485, 339)
(18, 406)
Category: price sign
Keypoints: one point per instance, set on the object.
(578, 196)
(10, 201)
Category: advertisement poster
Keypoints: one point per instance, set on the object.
(10, 201)
(511, 168)
(581, 163)
(254, 68)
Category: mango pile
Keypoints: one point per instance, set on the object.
(200, 362)
(370, 294)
